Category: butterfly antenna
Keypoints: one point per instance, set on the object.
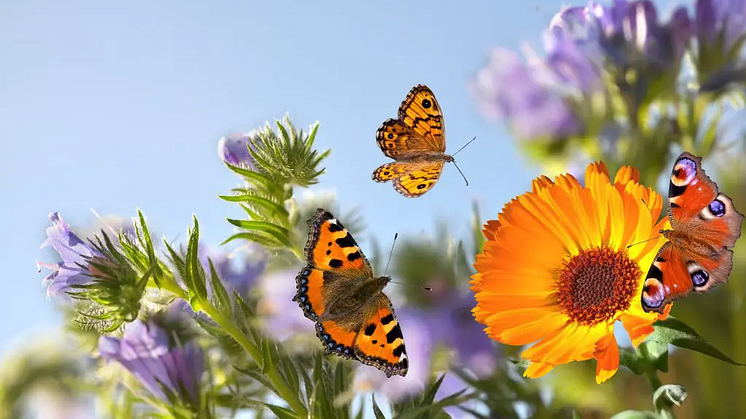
(411, 285)
(391, 253)
(462, 173)
(472, 140)
(644, 241)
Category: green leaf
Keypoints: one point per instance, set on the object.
(150, 250)
(195, 280)
(267, 241)
(257, 201)
(377, 410)
(254, 177)
(675, 332)
(281, 412)
(322, 400)
(280, 233)
(636, 414)
(221, 299)
(429, 397)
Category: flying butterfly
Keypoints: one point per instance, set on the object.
(417, 143)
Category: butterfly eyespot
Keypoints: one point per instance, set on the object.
(717, 208)
(421, 186)
(426, 103)
(391, 145)
(386, 173)
(699, 278)
(390, 137)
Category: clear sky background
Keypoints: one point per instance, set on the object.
(119, 105)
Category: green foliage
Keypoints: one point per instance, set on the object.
(675, 332)
(280, 161)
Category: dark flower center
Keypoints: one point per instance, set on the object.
(597, 284)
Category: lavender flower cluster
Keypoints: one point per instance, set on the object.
(596, 51)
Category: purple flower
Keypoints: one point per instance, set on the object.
(234, 149)
(632, 35)
(75, 254)
(510, 90)
(166, 368)
(720, 21)
(283, 318)
(237, 271)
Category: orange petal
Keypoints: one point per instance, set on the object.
(505, 328)
(637, 327)
(537, 369)
(541, 183)
(627, 174)
(607, 358)
(490, 229)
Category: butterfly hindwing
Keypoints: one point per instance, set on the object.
(421, 112)
(380, 342)
(416, 182)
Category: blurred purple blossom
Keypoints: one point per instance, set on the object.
(508, 89)
(164, 366)
(632, 34)
(75, 254)
(238, 269)
(234, 149)
(283, 318)
(720, 18)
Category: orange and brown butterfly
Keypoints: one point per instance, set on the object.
(704, 229)
(417, 143)
(337, 290)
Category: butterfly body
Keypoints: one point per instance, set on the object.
(417, 143)
(338, 291)
(704, 228)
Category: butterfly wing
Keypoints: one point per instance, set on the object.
(421, 112)
(332, 255)
(705, 225)
(389, 171)
(399, 141)
(414, 183)
(380, 342)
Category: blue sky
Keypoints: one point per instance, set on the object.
(119, 105)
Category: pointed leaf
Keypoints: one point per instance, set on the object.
(377, 410)
(280, 233)
(282, 412)
(267, 241)
(222, 301)
(678, 333)
(257, 201)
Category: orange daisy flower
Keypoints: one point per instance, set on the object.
(556, 269)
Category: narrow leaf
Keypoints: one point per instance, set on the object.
(377, 410)
(222, 301)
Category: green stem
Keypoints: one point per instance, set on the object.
(664, 410)
(281, 387)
